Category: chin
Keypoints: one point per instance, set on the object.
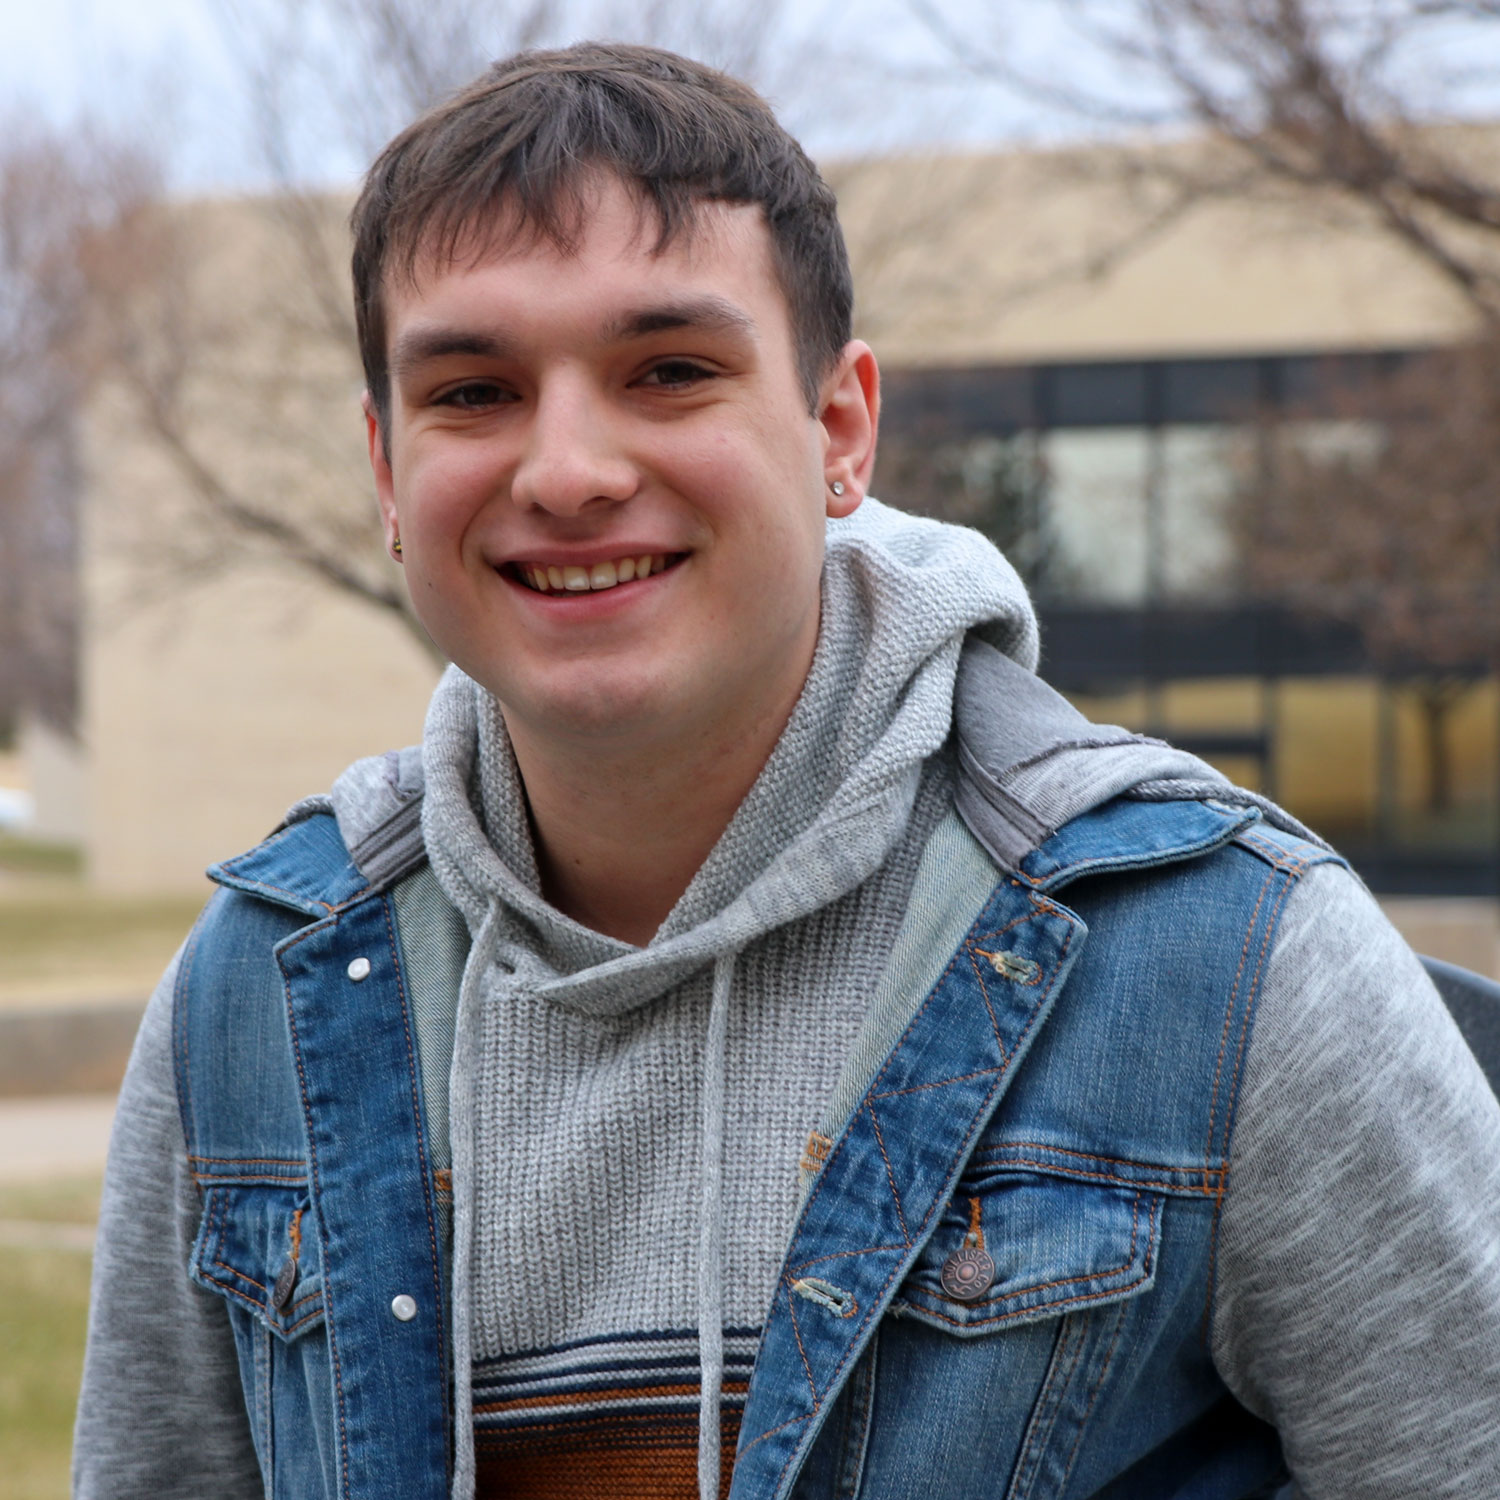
(592, 706)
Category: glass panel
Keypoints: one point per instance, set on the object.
(1202, 469)
(1096, 513)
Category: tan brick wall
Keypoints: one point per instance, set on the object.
(210, 714)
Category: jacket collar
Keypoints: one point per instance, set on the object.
(303, 866)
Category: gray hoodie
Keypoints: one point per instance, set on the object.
(626, 1122)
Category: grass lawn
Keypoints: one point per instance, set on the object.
(59, 940)
(43, 1309)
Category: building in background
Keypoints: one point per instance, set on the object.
(1090, 381)
(1107, 396)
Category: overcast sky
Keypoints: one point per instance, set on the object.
(171, 65)
(169, 68)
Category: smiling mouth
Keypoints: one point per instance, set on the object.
(570, 578)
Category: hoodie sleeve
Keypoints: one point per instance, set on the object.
(161, 1411)
(1357, 1300)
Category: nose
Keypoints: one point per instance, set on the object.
(573, 456)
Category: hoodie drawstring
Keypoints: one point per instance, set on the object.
(711, 1232)
(461, 1115)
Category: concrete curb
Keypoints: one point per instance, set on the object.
(53, 1140)
(82, 1049)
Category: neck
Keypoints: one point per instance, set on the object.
(621, 829)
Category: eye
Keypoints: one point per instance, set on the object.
(473, 395)
(676, 374)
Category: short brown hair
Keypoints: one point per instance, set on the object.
(520, 139)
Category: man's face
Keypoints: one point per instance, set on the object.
(608, 487)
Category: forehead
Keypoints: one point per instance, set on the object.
(606, 245)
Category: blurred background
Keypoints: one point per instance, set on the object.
(1192, 305)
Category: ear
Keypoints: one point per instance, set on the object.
(380, 466)
(850, 416)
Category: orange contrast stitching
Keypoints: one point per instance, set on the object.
(1213, 1237)
(1022, 1312)
(1234, 990)
(1135, 1182)
(1043, 1286)
(1123, 1161)
(251, 1161)
(890, 1173)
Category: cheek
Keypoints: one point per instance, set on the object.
(440, 493)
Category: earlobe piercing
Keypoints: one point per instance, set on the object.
(396, 546)
(837, 486)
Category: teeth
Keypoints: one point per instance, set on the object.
(571, 579)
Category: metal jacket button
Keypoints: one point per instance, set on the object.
(404, 1307)
(281, 1293)
(968, 1273)
(359, 969)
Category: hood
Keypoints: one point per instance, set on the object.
(900, 594)
(1029, 762)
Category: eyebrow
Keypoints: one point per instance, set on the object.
(714, 314)
(422, 345)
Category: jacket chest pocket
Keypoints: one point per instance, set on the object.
(258, 1248)
(1018, 1247)
(998, 1355)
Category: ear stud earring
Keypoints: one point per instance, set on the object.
(837, 486)
(396, 546)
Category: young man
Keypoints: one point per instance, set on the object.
(763, 1030)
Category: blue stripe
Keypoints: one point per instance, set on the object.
(649, 1370)
(662, 1335)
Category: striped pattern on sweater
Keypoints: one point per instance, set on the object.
(613, 1416)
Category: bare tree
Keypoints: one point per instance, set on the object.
(1352, 105)
(994, 484)
(1390, 521)
(1328, 112)
(61, 195)
(230, 362)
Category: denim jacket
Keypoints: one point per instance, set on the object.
(1056, 1110)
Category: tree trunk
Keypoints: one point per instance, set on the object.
(1438, 700)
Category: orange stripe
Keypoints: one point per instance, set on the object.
(602, 1462)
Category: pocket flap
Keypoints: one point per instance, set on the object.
(1053, 1245)
(258, 1246)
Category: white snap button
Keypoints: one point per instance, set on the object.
(404, 1307)
(359, 969)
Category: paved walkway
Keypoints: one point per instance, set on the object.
(61, 1137)
(28, 1234)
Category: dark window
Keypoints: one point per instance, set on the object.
(1112, 395)
(1002, 399)
(997, 399)
(1211, 390)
